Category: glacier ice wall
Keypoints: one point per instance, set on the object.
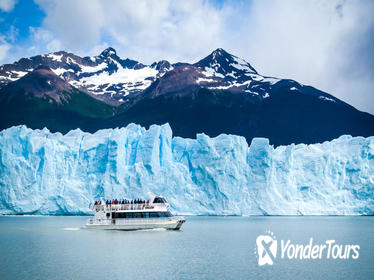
(51, 173)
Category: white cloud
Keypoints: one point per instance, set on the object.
(46, 39)
(327, 44)
(75, 23)
(12, 34)
(7, 5)
(4, 49)
(144, 30)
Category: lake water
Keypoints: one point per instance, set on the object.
(35, 247)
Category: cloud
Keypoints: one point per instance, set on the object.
(75, 24)
(12, 34)
(7, 5)
(45, 38)
(144, 30)
(4, 48)
(327, 44)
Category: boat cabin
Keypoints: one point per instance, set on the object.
(134, 209)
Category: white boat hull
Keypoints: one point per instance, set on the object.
(136, 224)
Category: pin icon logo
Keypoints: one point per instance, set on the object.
(266, 249)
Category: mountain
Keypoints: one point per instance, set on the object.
(107, 76)
(221, 93)
(221, 63)
(42, 99)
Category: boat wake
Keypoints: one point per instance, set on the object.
(72, 228)
(153, 229)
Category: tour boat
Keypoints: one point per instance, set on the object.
(134, 215)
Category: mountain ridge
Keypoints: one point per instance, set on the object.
(220, 93)
(41, 98)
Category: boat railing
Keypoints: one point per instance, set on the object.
(123, 221)
(124, 207)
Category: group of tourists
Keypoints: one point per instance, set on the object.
(122, 201)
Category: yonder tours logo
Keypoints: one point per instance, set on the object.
(267, 248)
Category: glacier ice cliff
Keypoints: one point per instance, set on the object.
(51, 173)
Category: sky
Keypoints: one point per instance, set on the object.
(326, 44)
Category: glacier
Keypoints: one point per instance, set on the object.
(50, 173)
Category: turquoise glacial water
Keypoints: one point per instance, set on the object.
(35, 247)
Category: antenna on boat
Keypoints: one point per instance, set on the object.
(151, 195)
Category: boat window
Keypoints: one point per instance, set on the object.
(120, 215)
(165, 214)
(153, 215)
(138, 215)
(159, 200)
(159, 214)
(128, 215)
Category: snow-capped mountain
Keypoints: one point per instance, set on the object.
(41, 98)
(111, 78)
(106, 75)
(221, 93)
(222, 64)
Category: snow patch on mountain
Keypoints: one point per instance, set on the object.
(271, 81)
(60, 71)
(55, 57)
(130, 79)
(92, 69)
(14, 75)
(200, 79)
(241, 64)
(211, 72)
(326, 98)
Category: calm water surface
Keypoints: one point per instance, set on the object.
(37, 247)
